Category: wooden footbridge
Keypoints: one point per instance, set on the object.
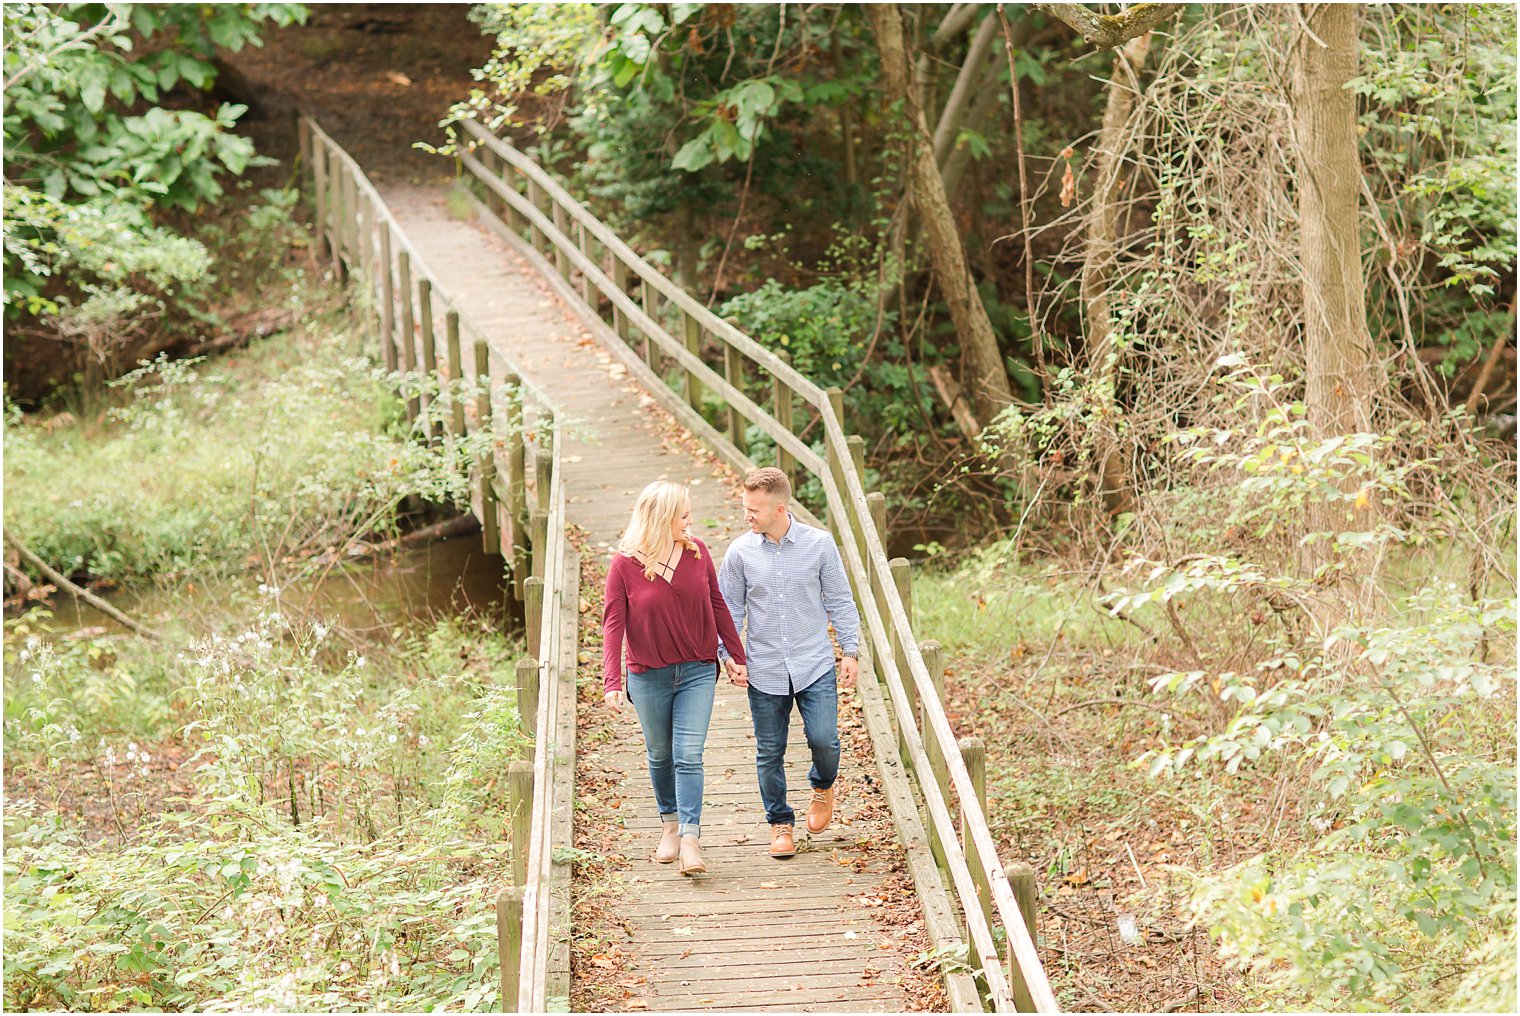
(537, 340)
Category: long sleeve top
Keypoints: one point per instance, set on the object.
(660, 622)
(786, 594)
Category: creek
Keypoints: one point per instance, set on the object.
(368, 598)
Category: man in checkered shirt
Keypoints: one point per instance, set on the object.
(785, 583)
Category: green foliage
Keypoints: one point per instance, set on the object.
(336, 851)
(89, 157)
(823, 328)
(1393, 716)
(206, 467)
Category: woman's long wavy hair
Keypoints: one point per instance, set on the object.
(647, 538)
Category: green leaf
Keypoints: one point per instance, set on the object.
(694, 155)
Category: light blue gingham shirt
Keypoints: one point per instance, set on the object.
(786, 594)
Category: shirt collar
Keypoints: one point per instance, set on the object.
(791, 530)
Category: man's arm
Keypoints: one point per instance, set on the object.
(731, 585)
(840, 606)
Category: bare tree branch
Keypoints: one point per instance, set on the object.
(1106, 31)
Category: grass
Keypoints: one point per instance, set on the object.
(1060, 692)
(267, 455)
(262, 809)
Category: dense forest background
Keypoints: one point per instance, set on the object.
(1182, 338)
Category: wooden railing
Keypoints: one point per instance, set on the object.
(360, 238)
(665, 324)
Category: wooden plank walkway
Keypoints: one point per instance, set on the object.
(756, 933)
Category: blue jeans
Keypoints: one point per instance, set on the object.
(675, 705)
(772, 714)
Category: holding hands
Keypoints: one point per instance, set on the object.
(737, 673)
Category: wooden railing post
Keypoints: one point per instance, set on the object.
(485, 461)
(303, 142)
(520, 787)
(902, 578)
(857, 446)
(361, 233)
(515, 218)
(351, 213)
(649, 302)
(561, 263)
(876, 505)
(934, 660)
(341, 212)
(840, 526)
(527, 692)
(429, 365)
(974, 755)
(781, 409)
(620, 280)
(533, 609)
(691, 388)
(1026, 895)
(589, 292)
(456, 373)
(408, 330)
(517, 488)
(509, 927)
(539, 525)
(733, 373)
(543, 467)
(387, 300)
(319, 185)
(535, 235)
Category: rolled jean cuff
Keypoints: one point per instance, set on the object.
(672, 817)
(691, 829)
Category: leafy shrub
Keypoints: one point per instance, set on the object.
(211, 466)
(340, 849)
(90, 160)
(1390, 714)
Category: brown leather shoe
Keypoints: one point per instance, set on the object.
(782, 844)
(820, 810)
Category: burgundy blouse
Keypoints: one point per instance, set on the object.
(662, 622)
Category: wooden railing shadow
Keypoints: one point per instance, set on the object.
(522, 515)
(654, 323)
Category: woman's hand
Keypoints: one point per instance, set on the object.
(737, 673)
(615, 700)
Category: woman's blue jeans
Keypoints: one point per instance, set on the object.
(675, 705)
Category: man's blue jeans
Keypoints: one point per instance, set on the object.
(772, 714)
(675, 705)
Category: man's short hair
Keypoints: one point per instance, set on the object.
(772, 481)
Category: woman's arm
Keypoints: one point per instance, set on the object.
(614, 619)
(727, 632)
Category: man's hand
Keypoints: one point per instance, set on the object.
(849, 671)
(737, 673)
(615, 700)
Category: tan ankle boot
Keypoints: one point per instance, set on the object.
(820, 811)
(691, 857)
(782, 844)
(670, 843)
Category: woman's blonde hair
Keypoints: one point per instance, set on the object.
(647, 538)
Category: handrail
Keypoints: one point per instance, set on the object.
(357, 230)
(884, 611)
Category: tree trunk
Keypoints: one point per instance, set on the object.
(846, 122)
(1337, 344)
(972, 73)
(1098, 269)
(986, 376)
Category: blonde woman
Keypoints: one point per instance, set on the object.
(664, 606)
